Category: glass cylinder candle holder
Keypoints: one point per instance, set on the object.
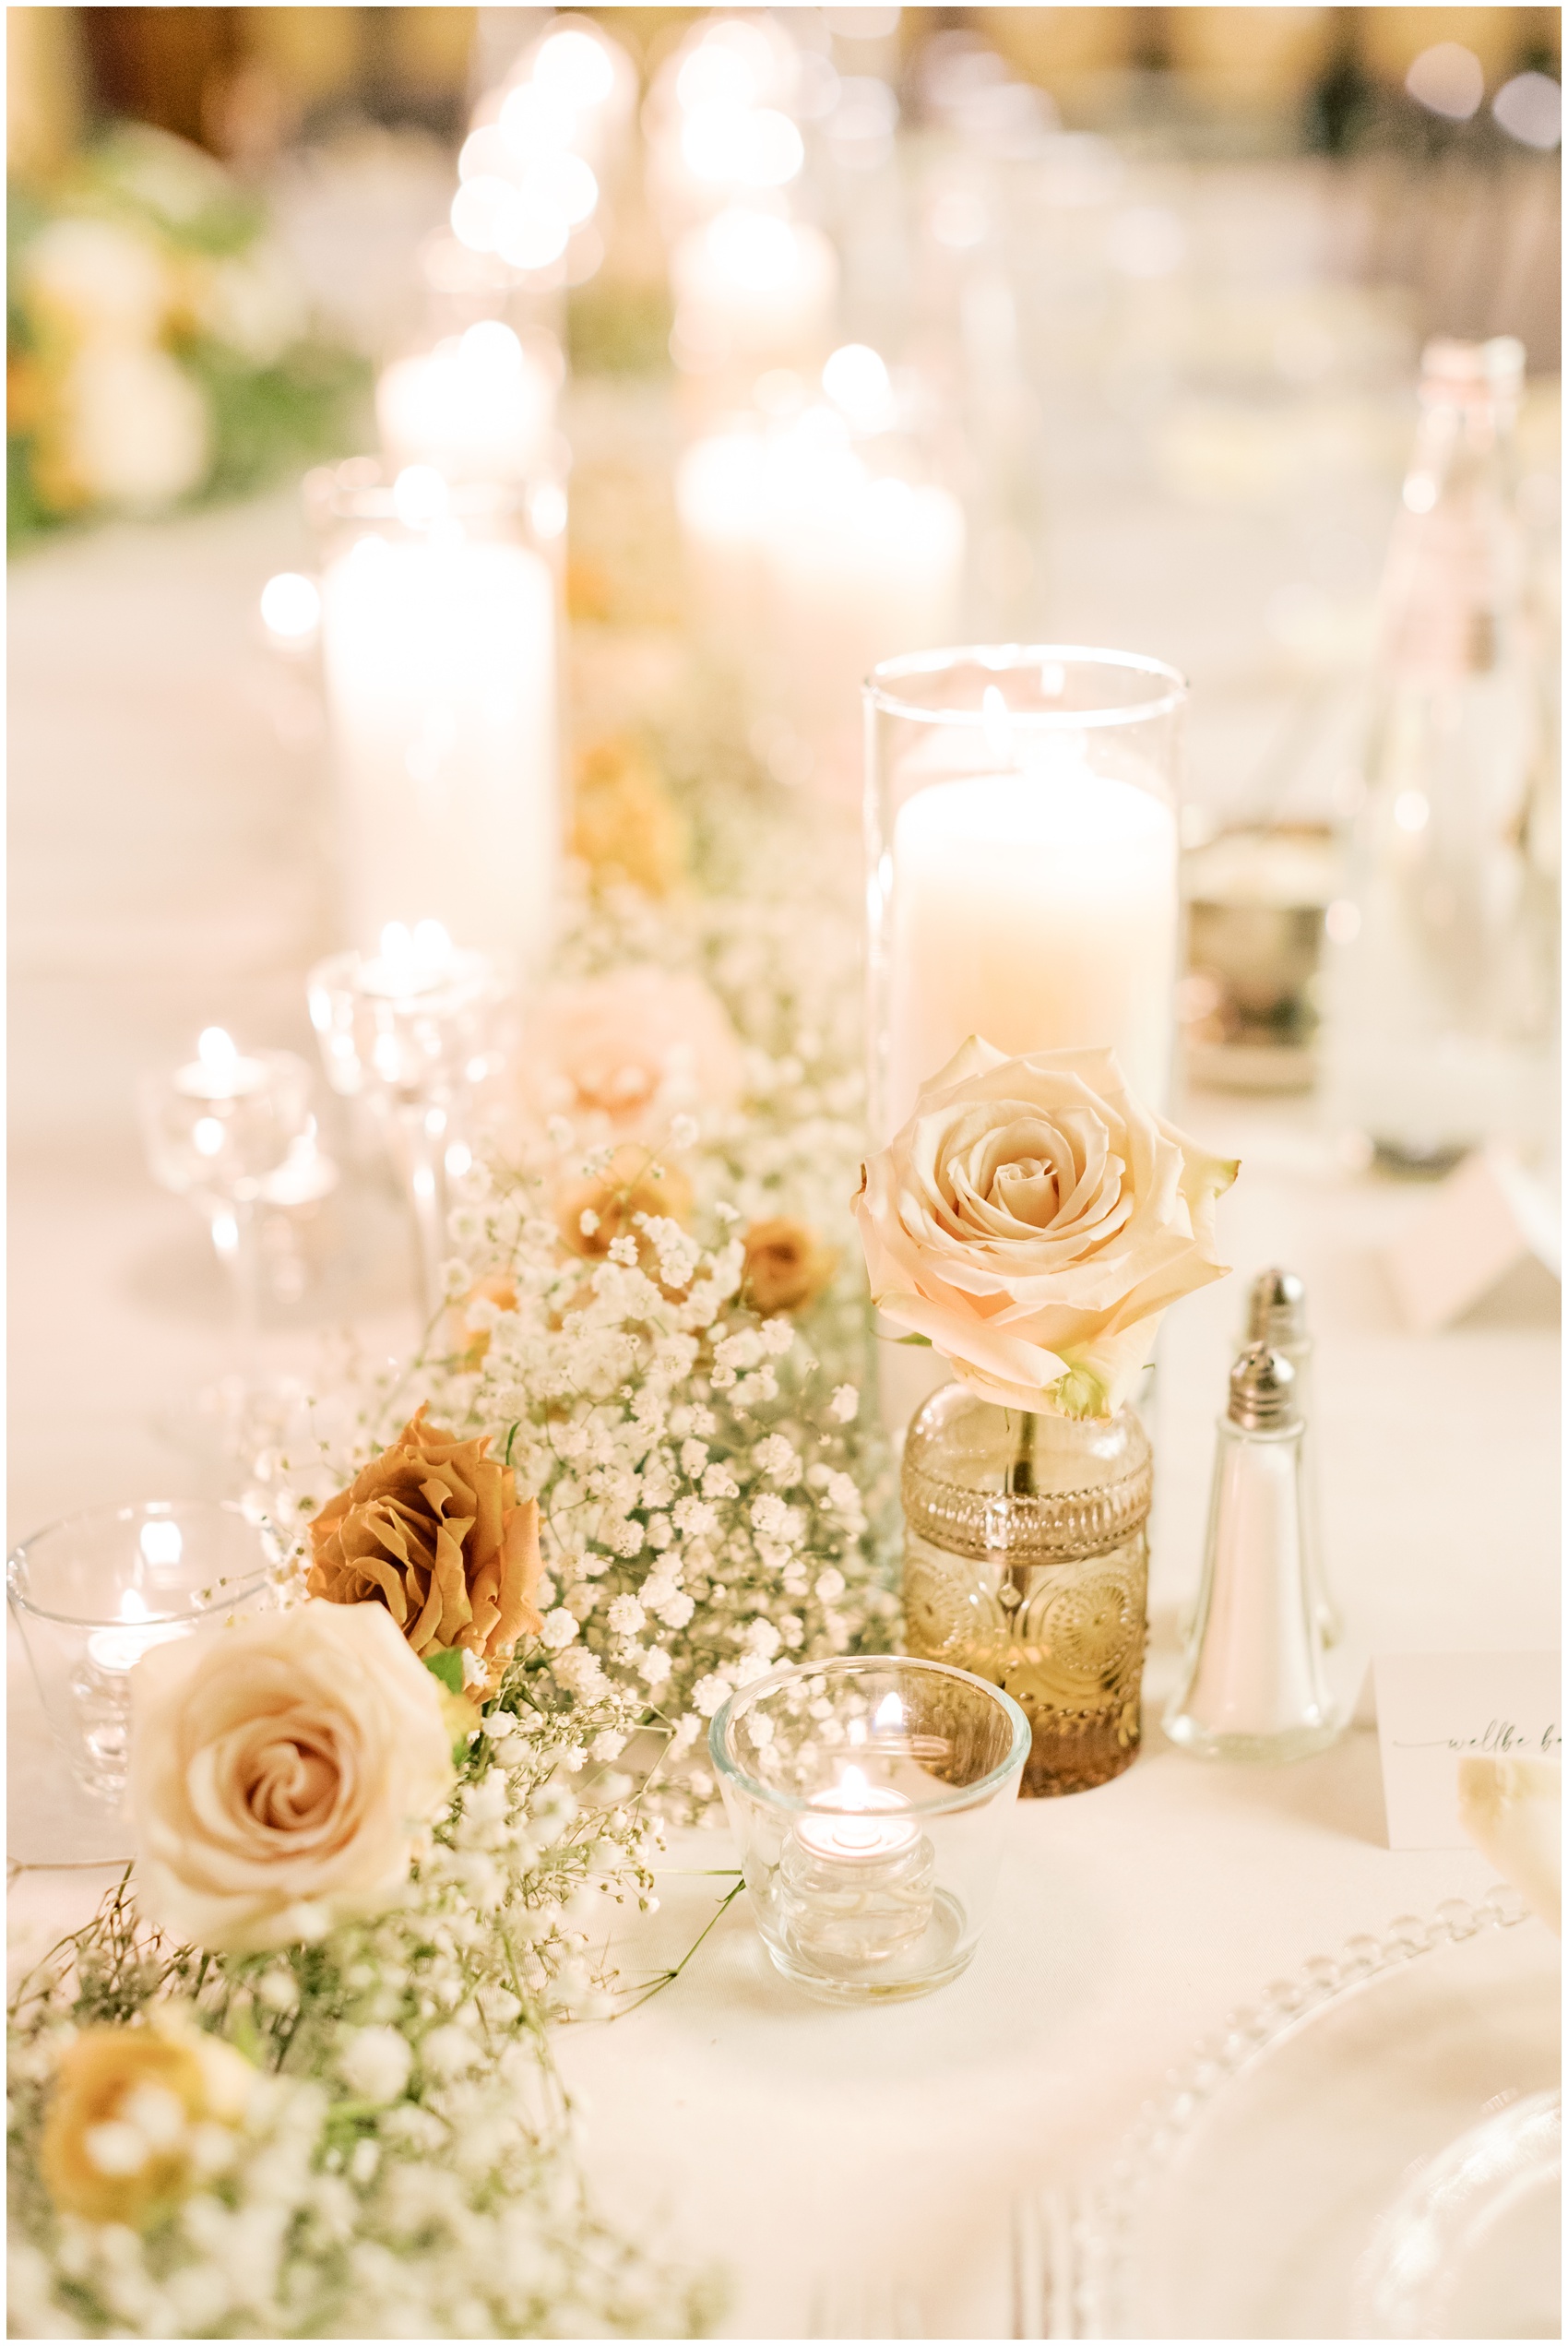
(1021, 844)
(414, 1031)
(93, 1593)
(438, 646)
(1026, 1561)
(869, 1796)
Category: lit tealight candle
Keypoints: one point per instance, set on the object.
(411, 961)
(857, 1881)
(867, 1834)
(117, 1651)
(219, 1071)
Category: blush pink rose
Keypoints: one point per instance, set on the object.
(1033, 1221)
(621, 1055)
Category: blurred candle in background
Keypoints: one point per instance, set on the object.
(479, 407)
(438, 643)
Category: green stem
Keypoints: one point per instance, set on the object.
(667, 1979)
(1021, 1470)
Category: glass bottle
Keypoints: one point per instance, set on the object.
(1253, 1683)
(1277, 1316)
(1441, 979)
(1025, 1562)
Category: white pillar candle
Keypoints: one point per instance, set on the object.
(857, 569)
(1039, 911)
(721, 498)
(479, 407)
(439, 656)
(750, 286)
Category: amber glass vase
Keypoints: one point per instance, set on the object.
(1026, 1561)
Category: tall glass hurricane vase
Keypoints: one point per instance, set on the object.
(1022, 868)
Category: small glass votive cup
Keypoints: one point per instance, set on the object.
(869, 1797)
(94, 1592)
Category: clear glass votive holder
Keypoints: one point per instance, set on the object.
(94, 1592)
(869, 1797)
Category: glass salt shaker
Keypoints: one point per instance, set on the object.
(1277, 1316)
(1253, 1683)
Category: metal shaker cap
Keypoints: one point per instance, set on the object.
(1277, 1309)
(1263, 1391)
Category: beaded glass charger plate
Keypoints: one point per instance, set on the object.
(1374, 2150)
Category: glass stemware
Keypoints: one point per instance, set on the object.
(222, 1131)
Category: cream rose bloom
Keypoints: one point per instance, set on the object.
(280, 1772)
(1033, 1221)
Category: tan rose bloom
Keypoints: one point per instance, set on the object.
(787, 1266)
(633, 1184)
(1033, 1221)
(281, 1774)
(138, 2117)
(432, 1529)
(624, 824)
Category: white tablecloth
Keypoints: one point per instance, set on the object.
(167, 803)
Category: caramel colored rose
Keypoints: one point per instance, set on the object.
(432, 1529)
(138, 2117)
(624, 824)
(787, 1266)
(592, 1214)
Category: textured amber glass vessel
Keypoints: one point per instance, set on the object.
(1026, 1561)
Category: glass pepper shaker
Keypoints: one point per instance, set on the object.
(1277, 1316)
(1253, 1683)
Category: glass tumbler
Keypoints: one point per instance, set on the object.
(869, 1797)
(1021, 861)
(93, 1593)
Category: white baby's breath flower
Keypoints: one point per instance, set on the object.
(375, 2063)
(560, 1628)
(710, 1693)
(845, 1403)
(625, 1615)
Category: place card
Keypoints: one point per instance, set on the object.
(1487, 1219)
(1435, 1709)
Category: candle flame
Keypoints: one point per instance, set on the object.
(216, 1050)
(291, 606)
(419, 495)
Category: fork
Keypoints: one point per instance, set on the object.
(1044, 2266)
(863, 2307)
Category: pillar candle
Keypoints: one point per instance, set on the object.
(439, 656)
(479, 407)
(1039, 911)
